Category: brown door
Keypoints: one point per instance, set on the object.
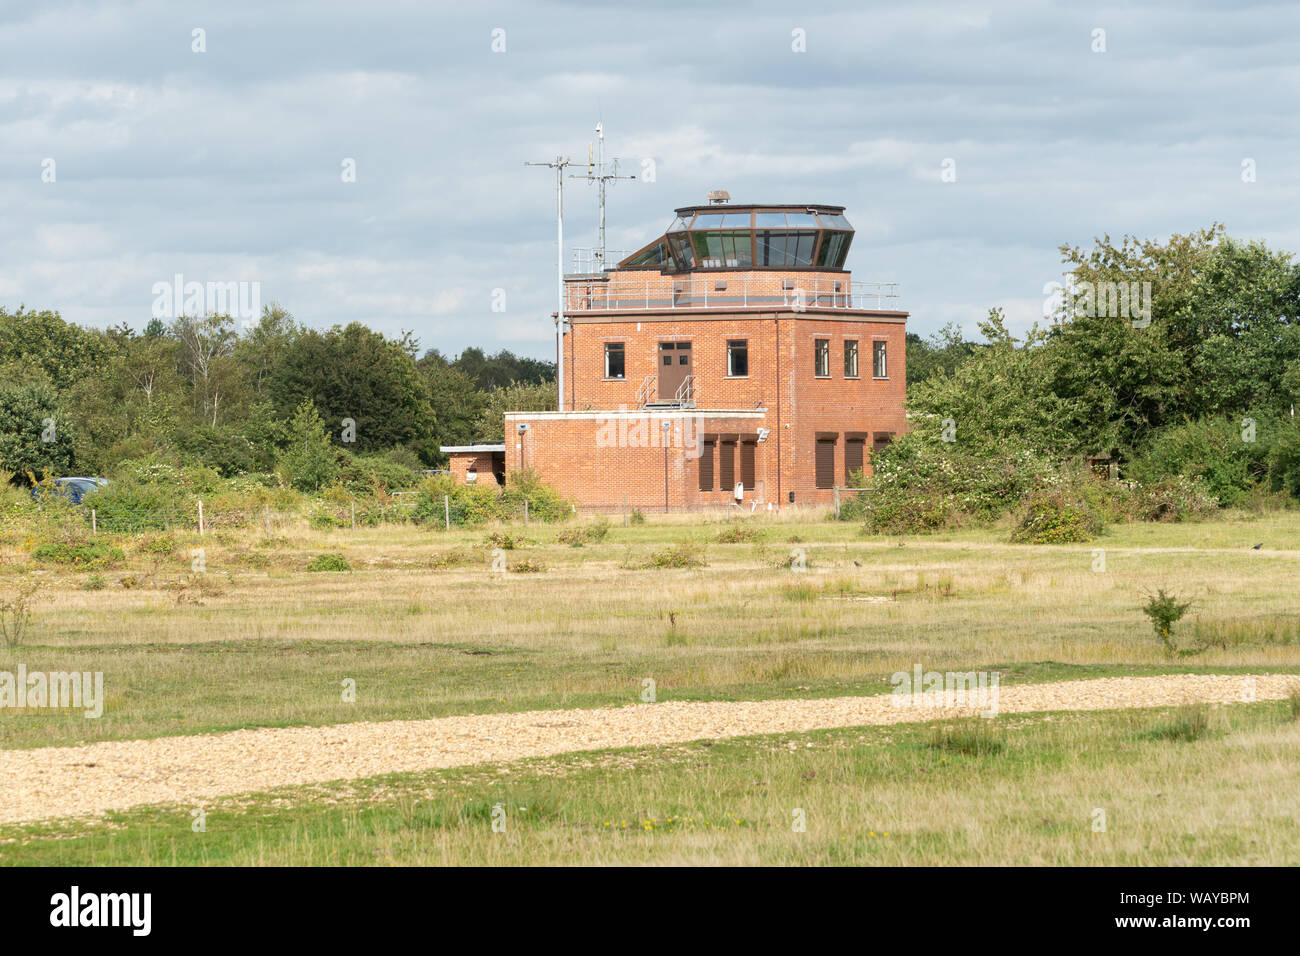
(674, 366)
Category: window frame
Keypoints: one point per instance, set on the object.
(857, 358)
(879, 359)
(619, 347)
(821, 350)
(732, 345)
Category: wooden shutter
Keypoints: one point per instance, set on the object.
(727, 465)
(852, 458)
(710, 450)
(825, 463)
(747, 464)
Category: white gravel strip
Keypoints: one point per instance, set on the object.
(54, 782)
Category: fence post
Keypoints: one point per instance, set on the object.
(200, 519)
(268, 521)
(525, 512)
(446, 510)
(625, 509)
(94, 522)
(837, 502)
(354, 516)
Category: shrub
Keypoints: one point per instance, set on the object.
(683, 555)
(545, 503)
(93, 583)
(16, 611)
(156, 544)
(1057, 517)
(330, 561)
(739, 533)
(923, 486)
(1165, 610)
(1176, 498)
(637, 516)
(79, 554)
(1212, 450)
(577, 537)
(526, 566)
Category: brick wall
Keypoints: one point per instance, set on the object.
(598, 459)
(460, 462)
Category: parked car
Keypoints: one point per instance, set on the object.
(74, 489)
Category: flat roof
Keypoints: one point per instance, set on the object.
(744, 206)
(647, 413)
(454, 449)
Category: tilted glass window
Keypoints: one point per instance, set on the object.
(654, 256)
(716, 250)
(879, 365)
(834, 250)
(833, 222)
(851, 358)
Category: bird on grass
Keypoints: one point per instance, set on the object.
(1258, 546)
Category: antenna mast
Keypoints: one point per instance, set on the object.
(559, 164)
(596, 174)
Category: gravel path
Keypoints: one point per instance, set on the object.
(71, 781)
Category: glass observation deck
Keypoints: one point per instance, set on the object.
(722, 236)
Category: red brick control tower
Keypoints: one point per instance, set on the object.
(732, 350)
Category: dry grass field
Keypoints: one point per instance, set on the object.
(431, 623)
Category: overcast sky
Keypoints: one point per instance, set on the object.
(227, 165)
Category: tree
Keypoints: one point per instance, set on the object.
(205, 357)
(456, 400)
(43, 340)
(355, 373)
(309, 459)
(516, 397)
(35, 435)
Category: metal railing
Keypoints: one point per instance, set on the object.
(666, 292)
(686, 393)
(646, 390)
(587, 259)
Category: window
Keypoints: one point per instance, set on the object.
(747, 450)
(738, 358)
(825, 462)
(727, 465)
(853, 448)
(614, 359)
(822, 358)
(709, 452)
(850, 358)
(880, 368)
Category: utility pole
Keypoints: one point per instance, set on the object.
(559, 164)
(596, 174)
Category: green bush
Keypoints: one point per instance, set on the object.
(1215, 450)
(577, 537)
(129, 506)
(79, 554)
(1057, 517)
(739, 533)
(544, 502)
(683, 555)
(331, 561)
(922, 485)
